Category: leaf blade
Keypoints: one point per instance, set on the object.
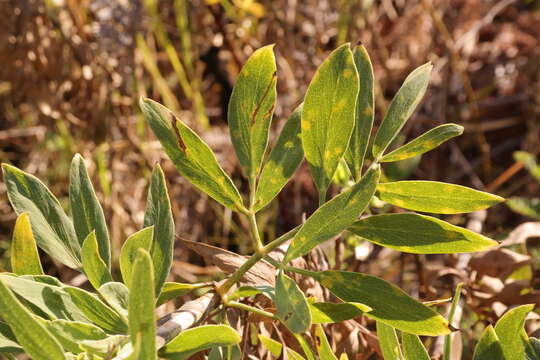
(509, 329)
(141, 239)
(292, 306)
(93, 265)
(388, 341)
(489, 346)
(413, 349)
(323, 347)
(200, 338)
(24, 254)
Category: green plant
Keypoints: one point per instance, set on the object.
(526, 206)
(117, 320)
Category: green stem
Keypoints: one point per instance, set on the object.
(254, 229)
(252, 309)
(447, 355)
(293, 269)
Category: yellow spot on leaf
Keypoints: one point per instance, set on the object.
(306, 125)
(368, 111)
(289, 145)
(339, 105)
(347, 73)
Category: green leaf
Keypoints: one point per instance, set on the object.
(328, 115)
(158, 214)
(225, 353)
(525, 206)
(251, 108)
(306, 348)
(334, 216)
(508, 330)
(529, 161)
(448, 339)
(323, 347)
(419, 234)
(8, 342)
(436, 197)
(364, 113)
(413, 349)
(116, 295)
(388, 341)
(32, 335)
(141, 239)
(489, 346)
(533, 349)
(51, 226)
(284, 159)
(95, 310)
(71, 333)
(142, 319)
(173, 289)
(204, 337)
(24, 253)
(193, 159)
(389, 304)
(401, 108)
(52, 300)
(292, 306)
(325, 313)
(424, 143)
(86, 210)
(103, 347)
(276, 348)
(93, 265)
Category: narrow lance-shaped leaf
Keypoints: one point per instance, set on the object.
(292, 306)
(424, 143)
(413, 349)
(116, 295)
(276, 348)
(158, 214)
(93, 265)
(283, 161)
(324, 313)
(334, 216)
(8, 342)
(389, 304)
(173, 289)
(141, 239)
(323, 347)
(142, 322)
(401, 108)
(436, 197)
(489, 346)
(509, 330)
(419, 234)
(525, 206)
(364, 113)
(251, 108)
(192, 157)
(86, 210)
(328, 115)
(388, 341)
(51, 226)
(24, 253)
(71, 333)
(449, 339)
(32, 335)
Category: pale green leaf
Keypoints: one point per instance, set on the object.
(251, 108)
(401, 108)
(71, 333)
(52, 228)
(96, 311)
(200, 338)
(142, 319)
(158, 214)
(449, 339)
(172, 290)
(413, 349)
(292, 306)
(389, 304)
(364, 113)
(24, 254)
(509, 329)
(325, 313)
(193, 159)
(8, 342)
(419, 234)
(436, 197)
(328, 115)
(424, 143)
(141, 239)
(388, 341)
(93, 265)
(529, 161)
(489, 346)
(276, 348)
(525, 206)
(103, 347)
(86, 210)
(284, 159)
(323, 347)
(116, 295)
(30, 333)
(334, 216)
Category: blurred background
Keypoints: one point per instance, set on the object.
(72, 71)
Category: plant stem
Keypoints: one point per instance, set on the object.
(293, 269)
(253, 228)
(252, 309)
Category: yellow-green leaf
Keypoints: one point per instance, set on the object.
(325, 313)
(424, 143)
(364, 113)
(419, 234)
(192, 157)
(334, 216)
(251, 107)
(489, 346)
(388, 341)
(389, 304)
(436, 197)
(413, 349)
(70, 333)
(24, 253)
(509, 330)
(283, 161)
(401, 108)
(173, 289)
(93, 265)
(128, 253)
(116, 295)
(525, 206)
(204, 337)
(328, 115)
(292, 306)
(276, 348)
(323, 347)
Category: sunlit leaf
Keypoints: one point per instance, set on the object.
(71, 333)
(24, 254)
(525, 206)
(436, 197)
(401, 108)
(192, 341)
(103, 347)
(509, 329)
(276, 348)
(325, 313)
(413, 349)
(328, 115)
(419, 234)
(292, 306)
(323, 347)
(489, 346)
(173, 289)
(388, 341)
(141, 239)
(93, 265)
(529, 161)
(8, 342)
(116, 295)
